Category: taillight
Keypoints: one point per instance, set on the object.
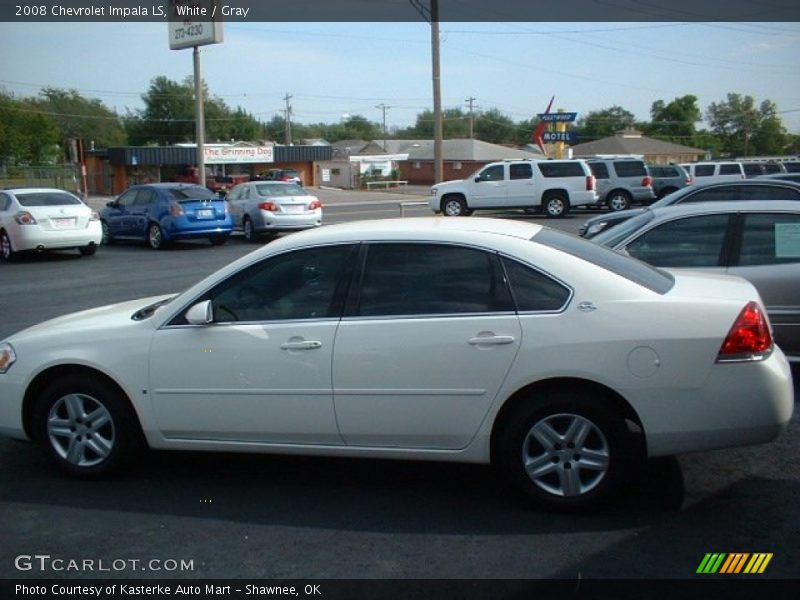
(25, 218)
(688, 180)
(749, 338)
(590, 183)
(647, 181)
(268, 206)
(176, 210)
(314, 205)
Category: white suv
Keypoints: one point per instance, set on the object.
(715, 172)
(549, 186)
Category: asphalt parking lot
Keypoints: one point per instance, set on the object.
(239, 516)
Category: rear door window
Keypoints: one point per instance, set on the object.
(688, 242)
(703, 170)
(769, 192)
(770, 239)
(520, 171)
(730, 170)
(630, 168)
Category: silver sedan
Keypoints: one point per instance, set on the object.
(269, 207)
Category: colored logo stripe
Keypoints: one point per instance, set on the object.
(733, 563)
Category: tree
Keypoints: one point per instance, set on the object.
(27, 134)
(675, 121)
(495, 127)
(746, 129)
(85, 118)
(604, 123)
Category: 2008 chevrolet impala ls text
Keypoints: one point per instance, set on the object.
(474, 340)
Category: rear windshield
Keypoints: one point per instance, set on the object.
(194, 192)
(280, 189)
(46, 198)
(653, 279)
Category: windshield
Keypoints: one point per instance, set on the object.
(280, 189)
(194, 192)
(46, 199)
(611, 237)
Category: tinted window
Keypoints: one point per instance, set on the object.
(635, 271)
(493, 173)
(279, 189)
(194, 192)
(688, 242)
(715, 194)
(703, 170)
(534, 291)
(46, 199)
(521, 171)
(298, 285)
(664, 172)
(769, 192)
(561, 169)
(5, 202)
(145, 197)
(431, 279)
(730, 170)
(792, 167)
(630, 168)
(599, 170)
(752, 169)
(769, 239)
(126, 200)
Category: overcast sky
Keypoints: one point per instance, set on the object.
(338, 69)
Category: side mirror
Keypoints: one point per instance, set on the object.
(478, 179)
(201, 313)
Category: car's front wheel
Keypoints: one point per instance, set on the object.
(455, 206)
(566, 452)
(85, 426)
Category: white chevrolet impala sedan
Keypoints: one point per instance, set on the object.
(472, 340)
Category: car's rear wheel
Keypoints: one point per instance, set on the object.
(155, 237)
(6, 250)
(85, 426)
(618, 200)
(218, 240)
(455, 206)
(88, 250)
(567, 452)
(556, 206)
(249, 230)
(108, 239)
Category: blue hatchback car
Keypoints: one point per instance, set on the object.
(163, 212)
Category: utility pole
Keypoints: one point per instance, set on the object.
(288, 119)
(199, 123)
(470, 102)
(383, 108)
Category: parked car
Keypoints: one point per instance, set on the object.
(715, 172)
(757, 240)
(261, 207)
(622, 181)
(756, 189)
(162, 212)
(40, 219)
(468, 340)
(782, 177)
(287, 175)
(549, 186)
(668, 179)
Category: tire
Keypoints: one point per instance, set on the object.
(455, 206)
(578, 450)
(250, 234)
(218, 240)
(155, 237)
(88, 250)
(86, 427)
(618, 200)
(555, 206)
(6, 250)
(108, 239)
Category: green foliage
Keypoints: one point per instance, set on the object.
(85, 118)
(603, 123)
(745, 129)
(674, 121)
(27, 135)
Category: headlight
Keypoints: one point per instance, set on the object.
(7, 356)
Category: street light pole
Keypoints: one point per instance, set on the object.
(438, 163)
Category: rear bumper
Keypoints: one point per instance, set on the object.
(33, 237)
(268, 221)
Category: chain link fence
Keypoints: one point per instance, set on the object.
(65, 177)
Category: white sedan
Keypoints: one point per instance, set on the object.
(46, 219)
(269, 207)
(474, 340)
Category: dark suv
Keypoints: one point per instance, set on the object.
(668, 179)
(622, 181)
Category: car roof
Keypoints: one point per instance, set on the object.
(34, 190)
(732, 206)
(760, 180)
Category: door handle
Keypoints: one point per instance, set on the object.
(301, 345)
(491, 340)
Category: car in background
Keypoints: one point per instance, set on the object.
(715, 172)
(40, 219)
(160, 213)
(464, 340)
(668, 179)
(755, 189)
(268, 207)
(287, 175)
(791, 166)
(795, 177)
(622, 181)
(757, 240)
